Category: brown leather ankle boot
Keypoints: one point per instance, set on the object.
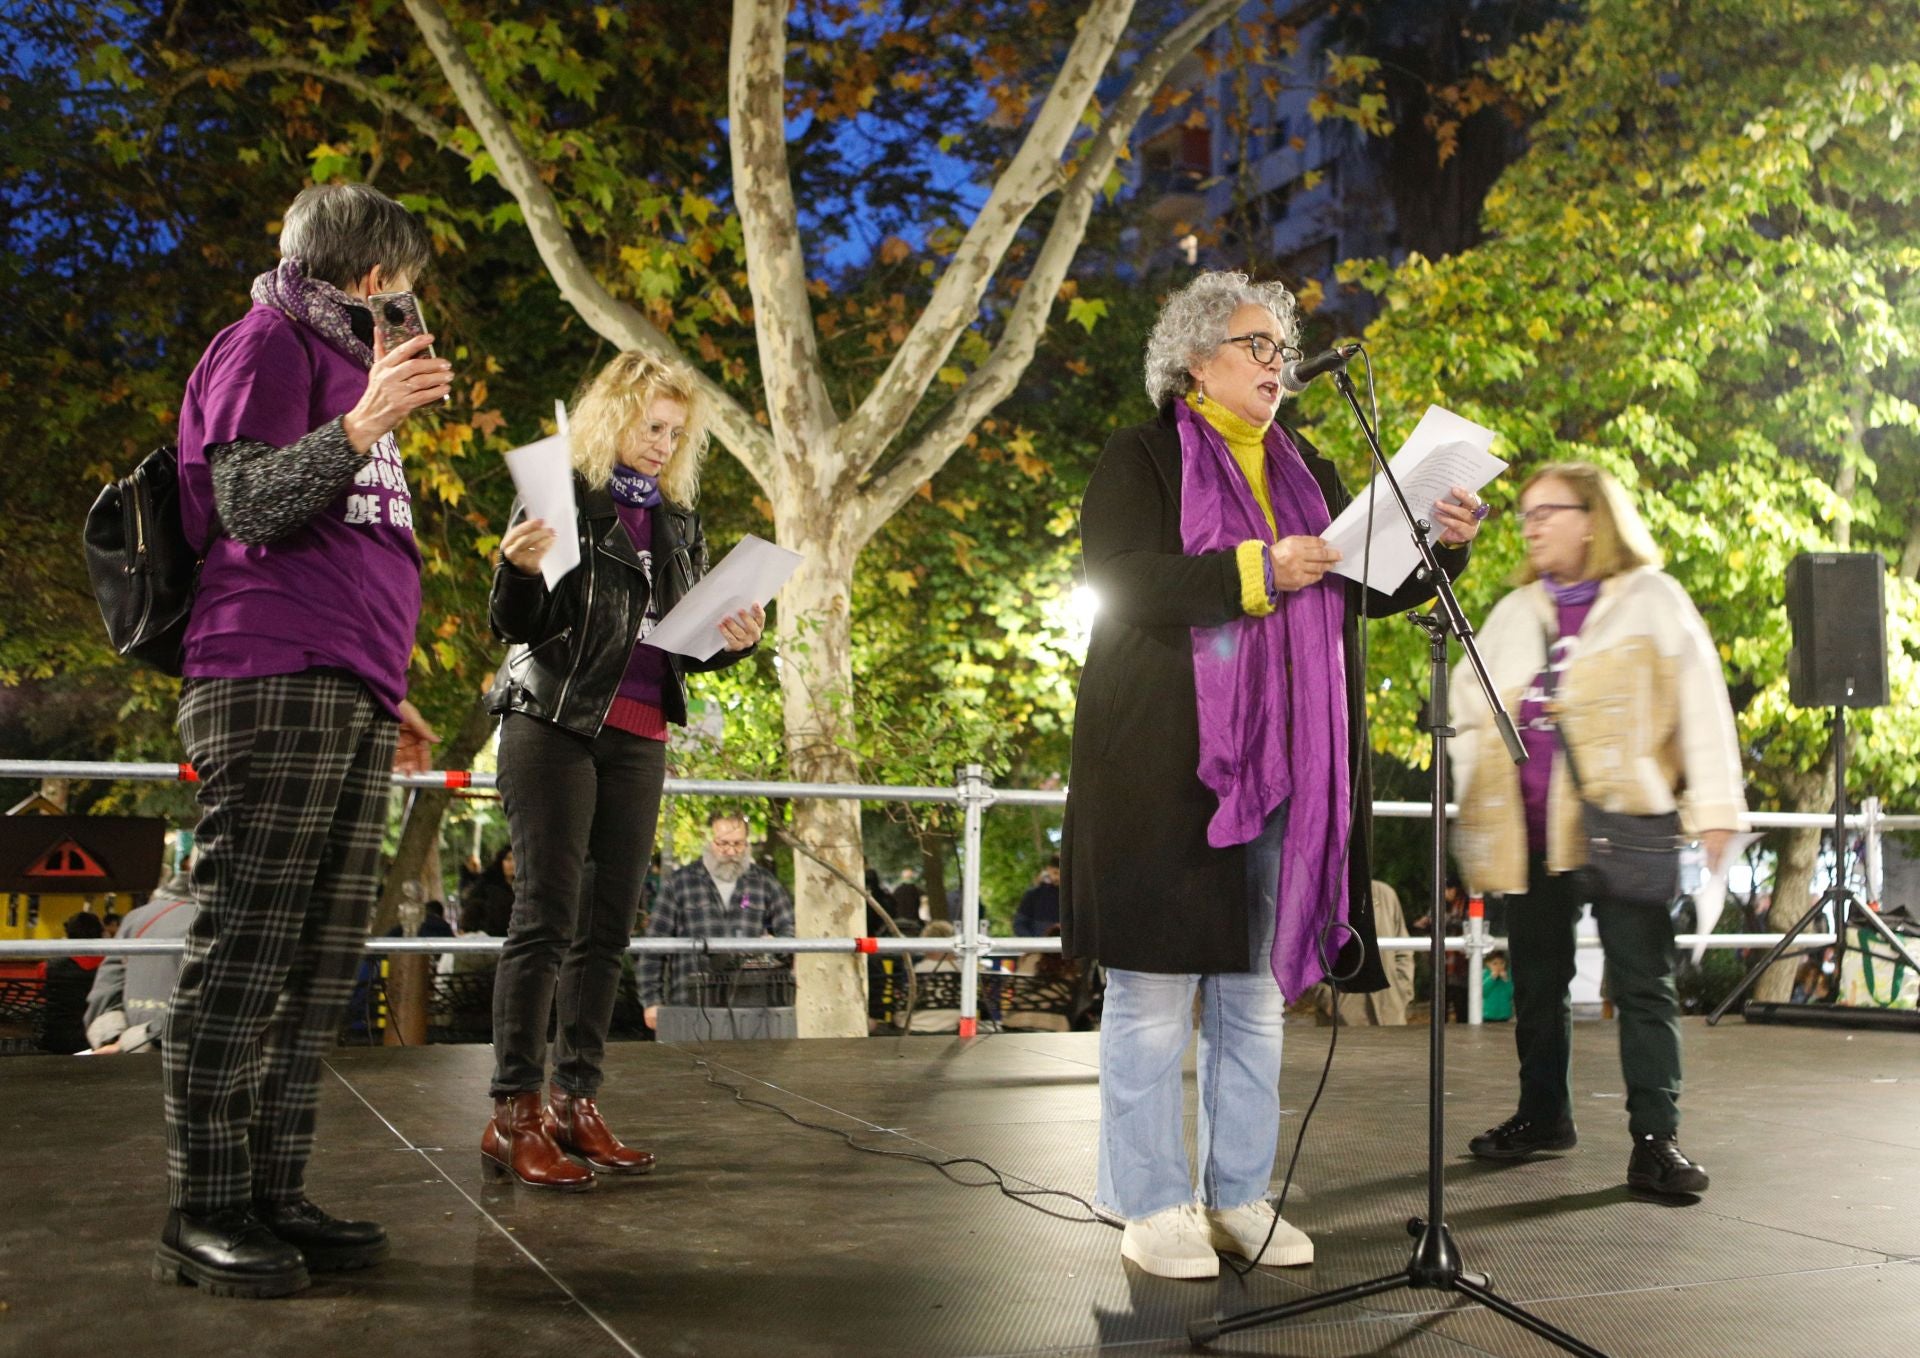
(576, 1127)
(517, 1143)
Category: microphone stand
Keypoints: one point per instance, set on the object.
(1436, 1259)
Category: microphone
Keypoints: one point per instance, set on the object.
(1296, 375)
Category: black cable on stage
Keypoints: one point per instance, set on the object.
(946, 1166)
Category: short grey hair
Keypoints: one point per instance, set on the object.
(1193, 323)
(341, 231)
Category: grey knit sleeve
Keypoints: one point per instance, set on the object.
(264, 493)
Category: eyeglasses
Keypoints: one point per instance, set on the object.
(655, 432)
(1264, 349)
(1541, 513)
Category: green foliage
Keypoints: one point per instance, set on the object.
(1703, 276)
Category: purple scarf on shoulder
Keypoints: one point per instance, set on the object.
(314, 303)
(1272, 693)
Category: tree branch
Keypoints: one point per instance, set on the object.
(1033, 173)
(797, 399)
(994, 380)
(613, 319)
(370, 90)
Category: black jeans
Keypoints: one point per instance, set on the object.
(568, 798)
(1638, 943)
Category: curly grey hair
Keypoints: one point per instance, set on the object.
(1193, 323)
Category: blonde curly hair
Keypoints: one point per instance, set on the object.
(611, 407)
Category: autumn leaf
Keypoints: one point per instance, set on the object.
(893, 250)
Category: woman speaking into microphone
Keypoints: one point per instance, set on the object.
(1211, 844)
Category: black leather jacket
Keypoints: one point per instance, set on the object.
(571, 644)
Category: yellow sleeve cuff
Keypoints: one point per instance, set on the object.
(1250, 556)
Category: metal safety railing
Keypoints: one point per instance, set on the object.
(974, 795)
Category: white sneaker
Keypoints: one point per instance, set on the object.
(1243, 1230)
(1171, 1244)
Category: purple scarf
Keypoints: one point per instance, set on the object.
(1272, 694)
(633, 488)
(1573, 595)
(316, 304)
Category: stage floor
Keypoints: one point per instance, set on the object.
(760, 1237)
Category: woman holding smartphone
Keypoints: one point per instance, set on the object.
(583, 741)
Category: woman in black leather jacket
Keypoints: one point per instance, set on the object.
(586, 706)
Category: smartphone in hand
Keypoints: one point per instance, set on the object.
(397, 317)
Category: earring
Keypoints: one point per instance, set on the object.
(1199, 395)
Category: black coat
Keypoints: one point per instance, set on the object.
(1141, 888)
(571, 644)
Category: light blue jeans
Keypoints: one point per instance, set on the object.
(1144, 1029)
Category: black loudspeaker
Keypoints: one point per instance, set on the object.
(1837, 607)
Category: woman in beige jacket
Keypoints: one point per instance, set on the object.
(1599, 640)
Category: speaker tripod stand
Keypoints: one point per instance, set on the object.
(1436, 1261)
(1846, 906)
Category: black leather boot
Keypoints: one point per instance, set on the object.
(328, 1244)
(228, 1253)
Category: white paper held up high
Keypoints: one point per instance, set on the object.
(1443, 451)
(751, 573)
(543, 477)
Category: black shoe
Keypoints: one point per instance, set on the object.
(329, 1244)
(1519, 1136)
(1658, 1166)
(228, 1254)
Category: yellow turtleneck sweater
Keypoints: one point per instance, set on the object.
(1247, 443)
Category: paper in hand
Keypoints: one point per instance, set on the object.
(1444, 451)
(1710, 898)
(543, 477)
(751, 573)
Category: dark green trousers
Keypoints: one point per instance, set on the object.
(1638, 943)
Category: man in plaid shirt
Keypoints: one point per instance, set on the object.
(724, 895)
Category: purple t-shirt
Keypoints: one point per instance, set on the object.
(342, 592)
(647, 666)
(1536, 726)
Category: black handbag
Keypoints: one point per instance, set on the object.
(142, 567)
(1630, 858)
(1634, 859)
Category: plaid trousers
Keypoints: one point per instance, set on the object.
(294, 782)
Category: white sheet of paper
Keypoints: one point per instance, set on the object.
(1711, 897)
(751, 573)
(543, 475)
(1443, 451)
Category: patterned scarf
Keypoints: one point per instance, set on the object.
(1272, 693)
(318, 305)
(633, 488)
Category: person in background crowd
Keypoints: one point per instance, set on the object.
(909, 906)
(61, 1026)
(1218, 752)
(1039, 910)
(127, 1007)
(1603, 658)
(486, 904)
(110, 925)
(724, 895)
(586, 706)
(1496, 990)
(294, 711)
(1454, 969)
(1386, 1008)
